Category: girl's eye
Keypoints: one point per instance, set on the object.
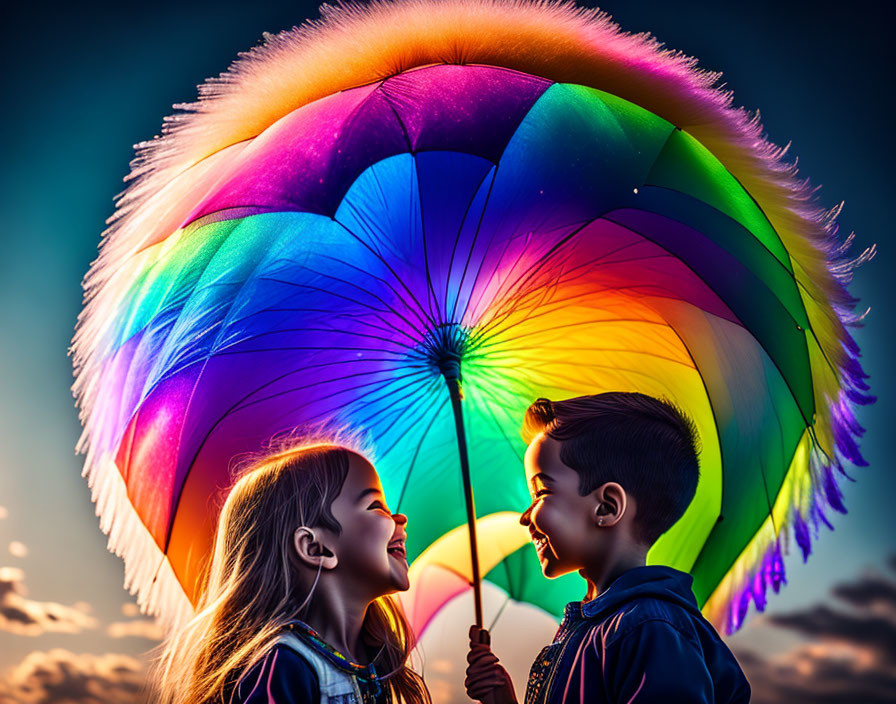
(378, 505)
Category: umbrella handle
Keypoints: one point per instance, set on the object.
(454, 392)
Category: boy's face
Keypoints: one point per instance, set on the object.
(560, 521)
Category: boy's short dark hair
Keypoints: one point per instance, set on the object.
(647, 445)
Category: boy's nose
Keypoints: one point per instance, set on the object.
(524, 518)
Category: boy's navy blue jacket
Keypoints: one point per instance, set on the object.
(642, 640)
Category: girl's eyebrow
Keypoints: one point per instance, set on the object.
(368, 490)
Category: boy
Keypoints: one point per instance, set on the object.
(608, 475)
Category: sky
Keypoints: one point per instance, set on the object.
(85, 82)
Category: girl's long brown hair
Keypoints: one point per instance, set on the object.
(255, 585)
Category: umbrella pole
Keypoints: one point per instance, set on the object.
(454, 392)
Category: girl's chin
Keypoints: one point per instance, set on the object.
(399, 582)
(402, 586)
(399, 574)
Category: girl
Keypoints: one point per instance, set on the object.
(296, 609)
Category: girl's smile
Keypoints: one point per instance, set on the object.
(371, 545)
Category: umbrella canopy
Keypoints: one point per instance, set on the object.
(314, 244)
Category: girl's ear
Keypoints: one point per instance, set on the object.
(611, 502)
(311, 551)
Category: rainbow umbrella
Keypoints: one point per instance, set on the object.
(418, 234)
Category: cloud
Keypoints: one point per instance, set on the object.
(138, 628)
(18, 549)
(24, 616)
(130, 609)
(62, 677)
(850, 653)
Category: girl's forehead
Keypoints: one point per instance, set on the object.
(361, 476)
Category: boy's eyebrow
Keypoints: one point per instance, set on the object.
(541, 476)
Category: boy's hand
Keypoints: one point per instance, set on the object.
(486, 680)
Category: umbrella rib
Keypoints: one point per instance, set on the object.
(310, 287)
(234, 408)
(420, 442)
(378, 385)
(352, 317)
(493, 271)
(608, 216)
(768, 498)
(346, 125)
(738, 552)
(363, 290)
(217, 337)
(729, 217)
(463, 276)
(556, 303)
(609, 349)
(552, 252)
(500, 611)
(501, 314)
(239, 404)
(421, 313)
(344, 377)
(711, 288)
(715, 423)
(548, 256)
(548, 309)
(397, 410)
(491, 342)
(384, 388)
(483, 289)
(322, 329)
(576, 381)
(488, 392)
(360, 288)
(821, 349)
(430, 288)
(492, 328)
(427, 393)
(351, 300)
(491, 172)
(775, 260)
(309, 348)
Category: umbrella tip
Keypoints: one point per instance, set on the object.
(449, 366)
(445, 348)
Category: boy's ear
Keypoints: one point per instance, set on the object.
(311, 551)
(611, 502)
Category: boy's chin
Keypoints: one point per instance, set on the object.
(552, 570)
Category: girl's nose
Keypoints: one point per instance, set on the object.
(400, 519)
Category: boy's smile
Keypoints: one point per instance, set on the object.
(559, 519)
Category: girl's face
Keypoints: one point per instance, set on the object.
(371, 546)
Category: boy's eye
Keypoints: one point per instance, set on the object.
(541, 492)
